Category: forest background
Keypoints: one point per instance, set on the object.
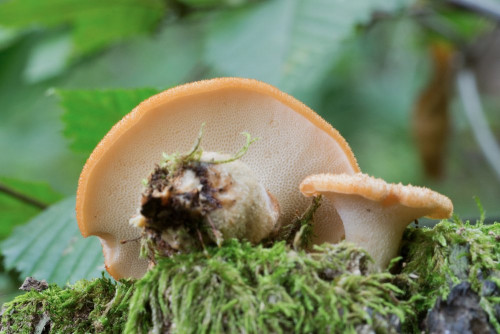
(414, 87)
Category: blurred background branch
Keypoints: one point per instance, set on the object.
(469, 94)
(22, 197)
(489, 8)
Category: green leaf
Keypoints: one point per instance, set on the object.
(15, 211)
(7, 37)
(49, 58)
(30, 121)
(50, 247)
(155, 62)
(90, 114)
(95, 23)
(31, 142)
(467, 24)
(288, 43)
(9, 287)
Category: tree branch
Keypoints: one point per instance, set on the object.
(22, 197)
(468, 91)
(487, 8)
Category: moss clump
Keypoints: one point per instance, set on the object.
(243, 289)
(98, 306)
(450, 253)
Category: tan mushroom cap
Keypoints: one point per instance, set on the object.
(294, 142)
(374, 212)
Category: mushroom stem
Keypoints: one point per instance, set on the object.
(373, 226)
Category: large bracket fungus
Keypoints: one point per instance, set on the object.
(375, 213)
(294, 142)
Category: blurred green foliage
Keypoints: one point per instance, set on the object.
(73, 68)
(94, 23)
(290, 44)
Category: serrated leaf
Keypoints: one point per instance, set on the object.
(14, 211)
(90, 114)
(50, 247)
(288, 43)
(96, 23)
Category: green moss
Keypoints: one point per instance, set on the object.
(452, 252)
(98, 306)
(299, 232)
(240, 288)
(243, 288)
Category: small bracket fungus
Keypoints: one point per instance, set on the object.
(375, 213)
(294, 142)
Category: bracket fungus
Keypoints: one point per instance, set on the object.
(374, 212)
(294, 142)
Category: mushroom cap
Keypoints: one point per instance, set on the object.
(435, 205)
(294, 142)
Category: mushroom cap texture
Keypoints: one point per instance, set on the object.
(294, 142)
(435, 205)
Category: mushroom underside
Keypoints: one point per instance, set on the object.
(294, 142)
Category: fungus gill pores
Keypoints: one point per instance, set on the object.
(375, 213)
(294, 142)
